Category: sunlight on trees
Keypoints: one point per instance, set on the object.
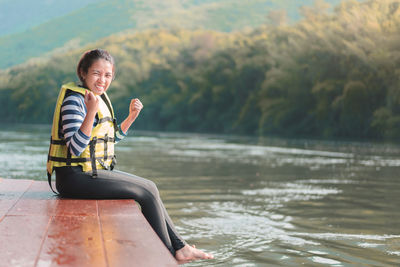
(333, 74)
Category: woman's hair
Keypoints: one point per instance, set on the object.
(88, 58)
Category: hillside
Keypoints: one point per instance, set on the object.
(102, 18)
(327, 76)
(20, 15)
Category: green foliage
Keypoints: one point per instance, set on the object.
(333, 71)
(102, 18)
(330, 75)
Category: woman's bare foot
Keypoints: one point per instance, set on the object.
(191, 253)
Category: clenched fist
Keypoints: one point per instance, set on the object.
(91, 102)
(135, 107)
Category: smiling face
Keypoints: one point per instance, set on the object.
(99, 76)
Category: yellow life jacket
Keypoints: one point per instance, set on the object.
(99, 154)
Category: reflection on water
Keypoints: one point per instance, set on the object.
(252, 202)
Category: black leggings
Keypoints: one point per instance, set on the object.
(72, 182)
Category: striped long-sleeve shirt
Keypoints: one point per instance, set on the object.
(73, 112)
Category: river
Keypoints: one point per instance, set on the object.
(256, 202)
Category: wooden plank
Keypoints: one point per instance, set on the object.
(21, 239)
(22, 235)
(117, 207)
(39, 229)
(37, 200)
(73, 241)
(128, 238)
(74, 237)
(76, 207)
(10, 192)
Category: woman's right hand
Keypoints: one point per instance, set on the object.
(91, 102)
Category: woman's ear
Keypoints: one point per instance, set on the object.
(83, 75)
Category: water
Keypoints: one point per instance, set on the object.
(253, 202)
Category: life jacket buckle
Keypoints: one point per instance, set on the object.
(103, 164)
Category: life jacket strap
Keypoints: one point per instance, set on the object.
(115, 124)
(69, 157)
(92, 150)
(57, 142)
(51, 186)
(105, 119)
(105, 147)
(62, 141)
(102, 163)
(72, 160)
(113, 162)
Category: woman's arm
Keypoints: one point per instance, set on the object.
(134, 109)
(92, 106)
(77, 120)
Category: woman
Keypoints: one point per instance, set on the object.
(82, 150)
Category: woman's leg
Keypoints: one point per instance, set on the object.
(72, 182)
(176, 240)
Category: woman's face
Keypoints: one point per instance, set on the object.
(99, 76)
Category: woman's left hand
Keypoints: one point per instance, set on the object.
(135, 107)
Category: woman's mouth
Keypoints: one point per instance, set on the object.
(98, 87)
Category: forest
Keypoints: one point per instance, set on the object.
(333, 74)
(73, 23)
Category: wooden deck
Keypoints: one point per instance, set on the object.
(39, 229)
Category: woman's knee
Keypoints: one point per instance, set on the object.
(144, 192)
(152, 187)
(137, 181)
